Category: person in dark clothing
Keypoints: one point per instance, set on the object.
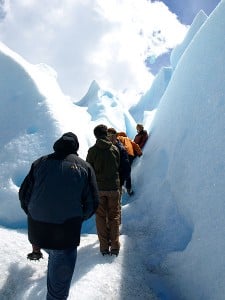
(58, 194)
(133, 150)
(105, 159)
(141, 136)
(125, 167)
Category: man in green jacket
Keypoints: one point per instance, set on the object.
(105, 160)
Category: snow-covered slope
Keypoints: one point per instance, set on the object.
(178, 51)
(184, 169)
(33, 114)
(150, 100)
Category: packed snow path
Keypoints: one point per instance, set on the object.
(96, 277)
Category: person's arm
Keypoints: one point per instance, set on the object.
(90, 197)
(143, 140)
(26, 190)
(89, 158)
(137, 149)
(125, 167)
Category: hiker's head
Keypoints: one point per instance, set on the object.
(111, 134)
(121, 133)
(139, 127)
(100, 131)
(67, 144)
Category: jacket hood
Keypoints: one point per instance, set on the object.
(67, 144)
(121, 134)
(103, 143)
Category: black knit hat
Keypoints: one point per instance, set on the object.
(67, 144)
(100, 131)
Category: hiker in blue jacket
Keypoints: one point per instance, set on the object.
(58, 194)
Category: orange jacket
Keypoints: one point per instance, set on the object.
(131, 147)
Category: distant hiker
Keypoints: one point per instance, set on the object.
(124, 168)
(141, 137)
(58, 194)
(133, 150)
(105, 159)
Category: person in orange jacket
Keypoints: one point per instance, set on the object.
(133, 151)
(132, 148)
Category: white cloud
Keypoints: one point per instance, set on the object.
(105, 40)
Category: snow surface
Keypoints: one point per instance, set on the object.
(173, 228)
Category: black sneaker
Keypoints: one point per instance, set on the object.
(114, 252)
(130, 192)
(105, 252)
(34, 256)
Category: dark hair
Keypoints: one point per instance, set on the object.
(100, 131)
(140, 126)
(111, 131)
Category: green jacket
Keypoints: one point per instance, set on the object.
(104, 157)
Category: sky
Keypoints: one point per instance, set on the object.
(85, 40)
(187, 11)
(122, 44)
(172, 233)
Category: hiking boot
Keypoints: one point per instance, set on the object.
(35, 255)
(105, 252)
(114, 252)
(130, 192)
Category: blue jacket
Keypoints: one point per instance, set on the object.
(59, 192)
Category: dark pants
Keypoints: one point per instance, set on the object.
(61, 264)
(128, 184)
